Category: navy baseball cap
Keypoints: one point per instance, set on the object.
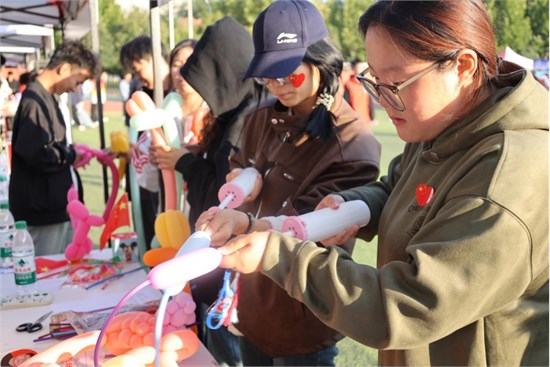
(282, 33)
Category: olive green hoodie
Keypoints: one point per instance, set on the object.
(462, 277)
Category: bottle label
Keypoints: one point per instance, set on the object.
(6, 241)
(24, 270)
(25, 278)
(5, 252)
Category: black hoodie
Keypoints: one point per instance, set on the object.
(215, 70)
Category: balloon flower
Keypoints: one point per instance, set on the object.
(145, 116)
(172, 229)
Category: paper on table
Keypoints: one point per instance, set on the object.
(80, 300)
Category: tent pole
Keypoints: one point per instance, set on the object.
(190, 18)
(94, 23)
(171, 23)
(157, 52)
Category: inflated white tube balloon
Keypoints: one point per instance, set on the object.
(233, 193)
(198, 240)
(182, 269)
(324, 223)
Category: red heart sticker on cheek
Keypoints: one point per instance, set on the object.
(424, 194)
(297, 79)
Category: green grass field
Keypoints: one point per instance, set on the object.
(351, 352)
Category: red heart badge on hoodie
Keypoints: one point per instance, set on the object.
(424, 194)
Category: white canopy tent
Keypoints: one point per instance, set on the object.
(72, 17)
(25, 35)
(18, 41)
(16, 55)
(510, 55)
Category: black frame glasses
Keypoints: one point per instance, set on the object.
(391, 92)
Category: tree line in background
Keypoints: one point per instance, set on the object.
(519, 24)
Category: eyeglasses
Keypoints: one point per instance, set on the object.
(390, 92)
(281, 81)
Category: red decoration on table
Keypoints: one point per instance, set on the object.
(44, 265)
(120, 216)
(424, 194)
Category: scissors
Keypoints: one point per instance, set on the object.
(31, 327)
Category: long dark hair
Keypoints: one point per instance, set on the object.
(188, 42)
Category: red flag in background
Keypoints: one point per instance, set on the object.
(120, 216)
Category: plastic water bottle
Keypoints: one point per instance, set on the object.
(24, 267)
(7, 230)
(4, 188)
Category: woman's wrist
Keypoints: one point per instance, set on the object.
(251, 221)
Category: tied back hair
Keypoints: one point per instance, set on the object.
(329, 60)
(434, 30)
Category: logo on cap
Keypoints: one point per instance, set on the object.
(286, 38)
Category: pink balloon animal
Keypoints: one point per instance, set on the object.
(81, 219)
(106, 160)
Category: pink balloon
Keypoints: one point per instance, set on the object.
(178, 319)
(95, 220)
(74, 252)
(72, 194)
(78, 209)
(172, 307)
(88, 245)
(81, 219)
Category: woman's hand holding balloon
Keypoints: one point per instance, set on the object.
(244, 253)
(333, 201)
(222, 224)
(166, 157)
(257, 185)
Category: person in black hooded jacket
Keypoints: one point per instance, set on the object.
(215, 70)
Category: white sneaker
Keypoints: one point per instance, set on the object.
(81, 128)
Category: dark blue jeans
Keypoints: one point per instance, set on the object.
(224, 347)
(253, 356)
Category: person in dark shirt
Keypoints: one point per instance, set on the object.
(42, 158)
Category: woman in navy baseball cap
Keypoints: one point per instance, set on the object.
(306, 142)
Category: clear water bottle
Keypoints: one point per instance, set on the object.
(24, 267)
(7, 230)
(4, 188)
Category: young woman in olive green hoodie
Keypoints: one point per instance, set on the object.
(461, 217)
